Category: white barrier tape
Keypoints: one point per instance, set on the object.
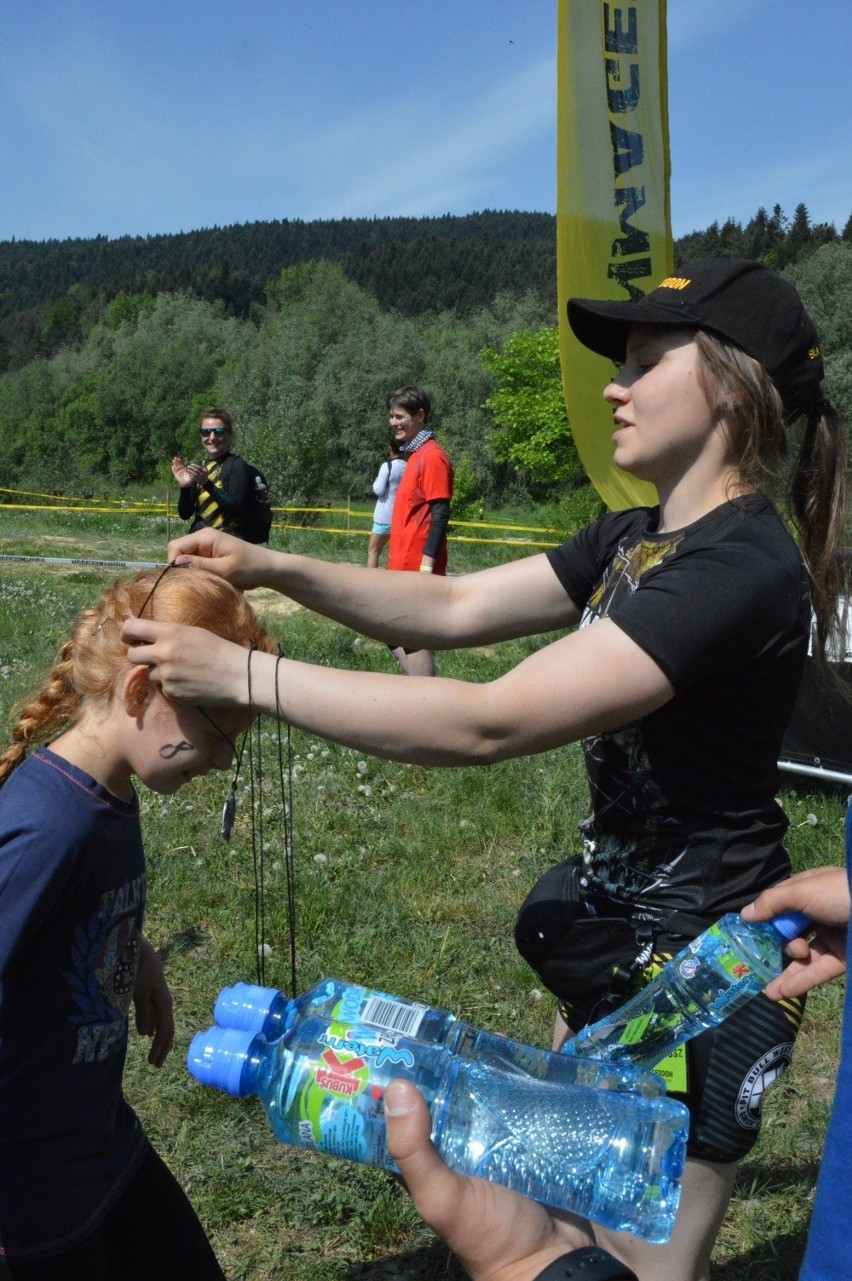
(81, 560)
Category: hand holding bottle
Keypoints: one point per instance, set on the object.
(714, 976)
(613, 1155)
(822, 893)
(496, 1233)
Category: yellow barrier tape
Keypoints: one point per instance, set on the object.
(158, 509)
(451, 538)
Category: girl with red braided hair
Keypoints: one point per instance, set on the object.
(82, 1193)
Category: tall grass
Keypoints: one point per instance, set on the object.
(406, 879)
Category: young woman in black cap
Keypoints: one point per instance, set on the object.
(694, 618)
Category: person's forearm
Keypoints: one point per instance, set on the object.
(586, 683)
(229, 502)
(521, 598)
(440, 517)
(393, 609)
(428, 720)
(186, 501)
(447, 724)
(236, 497)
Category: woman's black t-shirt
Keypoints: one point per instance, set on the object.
(683, 816)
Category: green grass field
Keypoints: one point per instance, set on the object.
(406, 879)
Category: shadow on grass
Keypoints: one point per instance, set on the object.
(779, 1255)
(778, 1259)
(182, 942)
(786, 1178)
(431, 1263)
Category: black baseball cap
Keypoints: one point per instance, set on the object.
(745, 302)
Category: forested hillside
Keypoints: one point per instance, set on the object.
(106, 382)
(51, 292)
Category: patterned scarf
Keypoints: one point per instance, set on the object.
(420, 439)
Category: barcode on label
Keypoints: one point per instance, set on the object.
(394, 1016)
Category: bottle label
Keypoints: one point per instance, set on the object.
(713, 942)
(673, 1070)
(393, 1016)
(339, 1098)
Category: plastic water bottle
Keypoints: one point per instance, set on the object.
(614, 1156)
(715, 975)
(271, 1013)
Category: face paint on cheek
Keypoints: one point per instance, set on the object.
(170, 750)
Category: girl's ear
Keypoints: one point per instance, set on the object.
(137, 690)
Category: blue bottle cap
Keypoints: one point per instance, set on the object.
(791, 924)
(246, 1005)
(218, 1057)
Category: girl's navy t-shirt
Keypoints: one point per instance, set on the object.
(72, 899)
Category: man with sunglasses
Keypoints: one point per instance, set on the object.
(217, 490)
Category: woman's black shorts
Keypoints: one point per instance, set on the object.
(594, 963)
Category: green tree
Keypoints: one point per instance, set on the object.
(529, 408)
(309, 392)
(28, 403)
(120, 402)
(125, 309)
(799, 234)
(824, 279)
(175, 351)
(460, 383)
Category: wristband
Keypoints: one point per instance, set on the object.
(591, 1263)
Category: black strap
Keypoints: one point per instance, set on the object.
(624, 976)
(591, 1263)
(685, 923)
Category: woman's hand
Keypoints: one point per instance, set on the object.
(822, 893)
(189, 664)
(153, 1002)
(498, 1235)
(241, 563)
(187, 474)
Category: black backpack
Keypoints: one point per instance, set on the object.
(257, 517)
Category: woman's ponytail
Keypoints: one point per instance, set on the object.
(818, 505)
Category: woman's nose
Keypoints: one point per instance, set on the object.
(615, 392)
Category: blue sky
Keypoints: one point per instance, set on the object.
(130, 117)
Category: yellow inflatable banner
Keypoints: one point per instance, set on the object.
(613, 220)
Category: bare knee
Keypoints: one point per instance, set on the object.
(374, 549)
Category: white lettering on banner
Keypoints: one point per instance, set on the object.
(621, 46)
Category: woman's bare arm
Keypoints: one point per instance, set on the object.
(593, 680)
(522, 598)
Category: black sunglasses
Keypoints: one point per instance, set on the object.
(213, 431)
